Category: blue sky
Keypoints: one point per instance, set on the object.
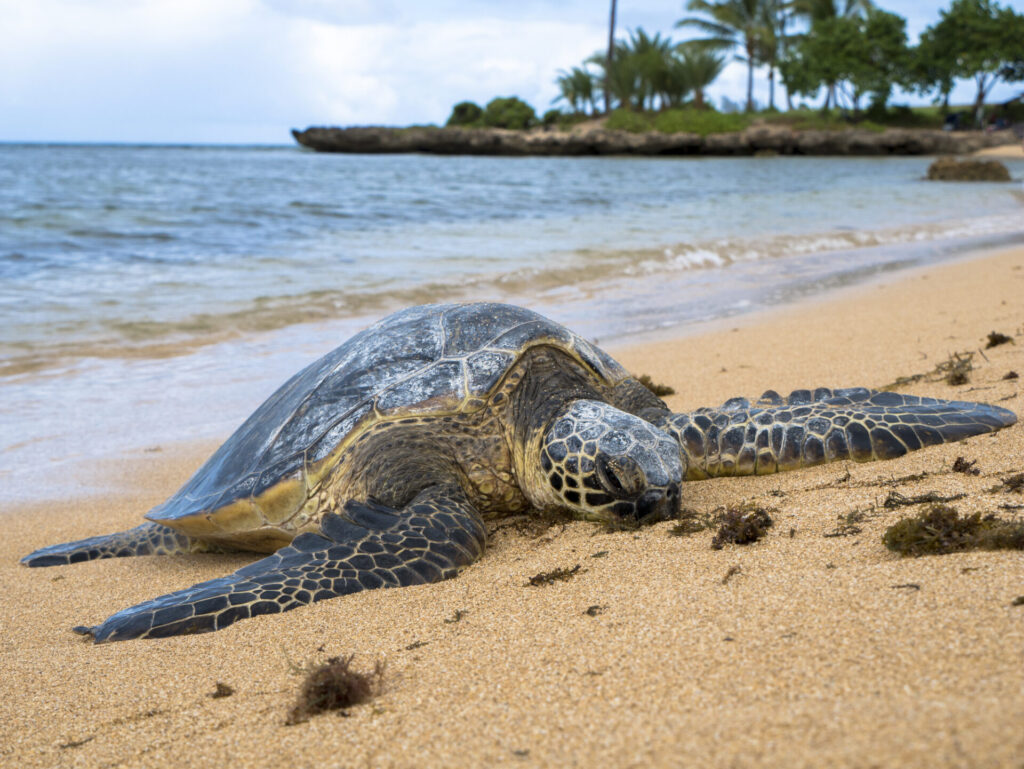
(248, 70)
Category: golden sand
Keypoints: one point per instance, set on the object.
(815, 651)
(1009, 151)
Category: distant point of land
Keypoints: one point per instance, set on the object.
(719, 134)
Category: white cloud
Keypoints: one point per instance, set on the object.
(247, 70)
(182, 70)
(378, 73)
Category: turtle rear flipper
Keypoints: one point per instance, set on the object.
(367, 546)
(147, 539)
(809, 428)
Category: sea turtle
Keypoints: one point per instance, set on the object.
(377, 465)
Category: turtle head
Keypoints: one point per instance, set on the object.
(607, 465)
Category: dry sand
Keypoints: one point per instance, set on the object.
(819, 651)
(1010, 151)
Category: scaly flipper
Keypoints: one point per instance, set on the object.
(809, 428)
(367, 546)
(147, 539)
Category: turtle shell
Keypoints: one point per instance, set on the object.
(427, 359)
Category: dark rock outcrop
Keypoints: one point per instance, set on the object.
(762, 139)
(968, 170)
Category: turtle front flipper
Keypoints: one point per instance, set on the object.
(809, 428)
(147, 539)
(367, 546)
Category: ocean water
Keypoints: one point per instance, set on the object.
(157, 294)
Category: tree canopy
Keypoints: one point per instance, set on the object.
(850, 49)
(974, 39)
(850, 56)
(741, 25)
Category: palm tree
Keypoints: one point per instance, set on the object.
(732, 24)
(820, 10)
(773, 44)
(576, 88)
(674, 83)
(699, 68)
(608, 61)
(650, 57)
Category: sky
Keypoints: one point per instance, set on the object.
(246, 71)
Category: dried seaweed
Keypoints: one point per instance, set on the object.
(551, 577)
(848, 524)
(895, 499)
(741, 526)
(966, 466)
(995, 339)
(335, 686)
(941, 529)
(654, 387)
(690, 522)
(954, 371)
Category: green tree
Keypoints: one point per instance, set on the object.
(576, 88)
(650, 71)
(465, 113)
(933, 66)
(818, 11)
(650, 57)
(773, 40)
(609, 61)
(884, 57)
(850, 56)
(731, 25)
(622, 81)
(639, 70)
(974, 39)
(509, 112)
(699, 68)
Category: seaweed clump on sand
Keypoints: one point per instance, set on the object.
(335, 686)
(654, 387)
(940, 529)
(690, 522)
(995, 338)
(1013, 483)
(741, 526)
(551, 577)
(966, 466)
(956, 370)
(221, 690)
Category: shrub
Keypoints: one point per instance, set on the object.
(509, 112)
(465, 113)
(628, 120)
(703, 122)
(551, 118)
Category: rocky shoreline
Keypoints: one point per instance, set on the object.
(756, 140)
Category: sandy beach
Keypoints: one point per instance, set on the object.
(802, 649)
(1005, 151)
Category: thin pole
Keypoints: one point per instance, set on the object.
(608, 62)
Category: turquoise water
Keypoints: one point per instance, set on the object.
(153, 294)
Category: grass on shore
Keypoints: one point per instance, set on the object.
(708, 121)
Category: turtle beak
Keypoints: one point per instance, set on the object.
(658, 505)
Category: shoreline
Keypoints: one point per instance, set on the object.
(592, 139)
(78, 473)
(808, 655)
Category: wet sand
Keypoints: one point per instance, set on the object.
(816, 650)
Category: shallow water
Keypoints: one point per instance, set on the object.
(153, 294)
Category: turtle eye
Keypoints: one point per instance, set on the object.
(616, 477)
